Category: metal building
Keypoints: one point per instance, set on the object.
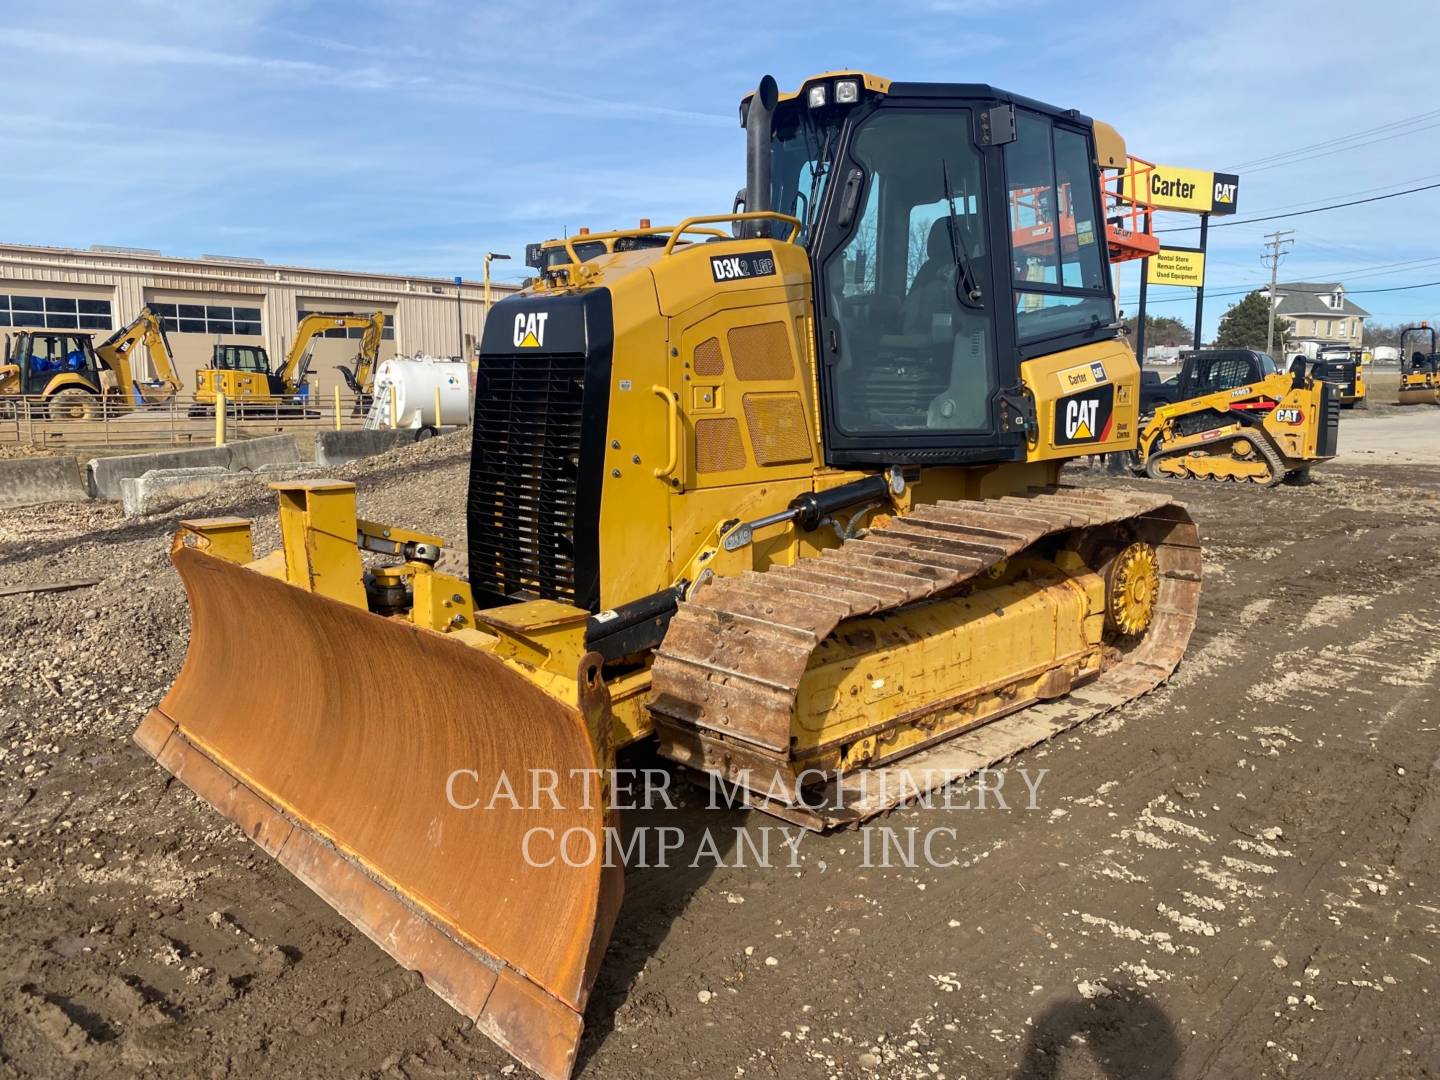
(216, 300)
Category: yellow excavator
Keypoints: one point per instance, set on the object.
(77, 380)
(1420, 368)
(786, 501)
(243, 375)
(1239, 418)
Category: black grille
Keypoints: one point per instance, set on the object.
(524, 476)
(1328, 440)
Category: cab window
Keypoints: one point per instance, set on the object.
(916, 348)
(1057, 243)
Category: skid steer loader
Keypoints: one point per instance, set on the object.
(786, 500)
(1240, 418)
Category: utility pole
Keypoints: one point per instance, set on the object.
(1277, 244)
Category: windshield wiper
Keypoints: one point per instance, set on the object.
(966, 280)
(822, 168)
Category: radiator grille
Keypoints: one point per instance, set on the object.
(708, 360)
(524, 475)
(777, 428)
(1328, 440)
(761, 351)
(717, 445)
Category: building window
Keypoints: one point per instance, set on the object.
(209, 319)
(54, 312)
(356, 332)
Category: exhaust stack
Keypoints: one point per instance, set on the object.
(757, 152)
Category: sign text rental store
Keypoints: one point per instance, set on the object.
(1197, 191)
(1176, 266)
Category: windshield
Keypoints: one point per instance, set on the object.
(802, 148)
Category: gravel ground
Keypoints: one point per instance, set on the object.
(1234, 876)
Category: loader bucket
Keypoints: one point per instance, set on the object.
(329, 734)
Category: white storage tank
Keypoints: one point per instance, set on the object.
(409, 390)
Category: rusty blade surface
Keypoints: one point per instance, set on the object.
(330, 734)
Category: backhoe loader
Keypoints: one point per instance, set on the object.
(1239, 418)
(786, 501)
(76, 380)
(1419, 369)
(243, 375)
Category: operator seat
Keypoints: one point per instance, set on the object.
(929, 293)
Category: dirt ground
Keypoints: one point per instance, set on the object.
(1233, 876)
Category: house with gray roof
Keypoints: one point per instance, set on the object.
(1318, 313)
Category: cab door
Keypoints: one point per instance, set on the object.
(911, 361)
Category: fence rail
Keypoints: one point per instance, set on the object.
(35, 421)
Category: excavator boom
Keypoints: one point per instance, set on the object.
(121, 350)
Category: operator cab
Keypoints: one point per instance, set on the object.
(241, 358)
(42, 356)
(1206, 371)
(953, 230)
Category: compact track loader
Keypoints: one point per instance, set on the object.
(787, 501)
(1419, 368)
(1239, 418)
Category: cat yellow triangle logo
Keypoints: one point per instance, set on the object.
(1083, 431)
(530, 329)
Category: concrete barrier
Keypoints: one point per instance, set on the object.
(337, 447)
(104, 474)
(32, 480)
(161, 489)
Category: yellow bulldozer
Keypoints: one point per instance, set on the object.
(242, 372)
(1419, 367)
(72, 378)
(1239, 418)
(586, 245)
(786, 501)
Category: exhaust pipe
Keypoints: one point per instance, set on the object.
(757, 152)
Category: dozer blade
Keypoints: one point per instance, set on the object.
(329, 734)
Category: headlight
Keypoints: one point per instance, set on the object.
(847, 92)
(817, 96)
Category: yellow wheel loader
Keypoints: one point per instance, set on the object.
(787, 501)
(1239, 418)
(242, 373)
(1419, 369)
(78, 380)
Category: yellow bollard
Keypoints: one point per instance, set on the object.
(337, 407)
(394, 406)
(220, 418)
(437, 406)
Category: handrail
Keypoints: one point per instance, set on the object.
(672, 438)
(569, 242)
(688, 225)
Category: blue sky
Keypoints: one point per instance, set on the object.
(414, 135)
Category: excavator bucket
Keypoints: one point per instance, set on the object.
(347, 750)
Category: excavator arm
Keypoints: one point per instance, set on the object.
(147, 332)
(297, 361)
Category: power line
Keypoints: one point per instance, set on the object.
(1267, 159)
(1302, 213)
